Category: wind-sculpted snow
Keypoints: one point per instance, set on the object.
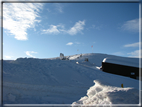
(55, 81)
(106, 95)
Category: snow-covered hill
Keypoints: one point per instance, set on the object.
(55, 81)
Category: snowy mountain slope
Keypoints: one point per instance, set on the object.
(55, 81)
(51, 72)
(97, 58)
(45, 73)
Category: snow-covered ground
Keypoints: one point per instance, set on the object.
(73, 81)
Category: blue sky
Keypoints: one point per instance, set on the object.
(44, 30)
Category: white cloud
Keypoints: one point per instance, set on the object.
(136, 53)
(133, 44)
(131, 25)
(8, 57)
(53, 29)
(18, 17)
(30, 52)
(70, 43)
(56, 29)
(59, 7)
(76, 28)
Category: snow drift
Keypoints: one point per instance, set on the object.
(105, 94)
(55, 81)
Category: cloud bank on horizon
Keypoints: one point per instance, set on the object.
(137, 44)
(29, 53)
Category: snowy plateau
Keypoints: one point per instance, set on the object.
(73, 81)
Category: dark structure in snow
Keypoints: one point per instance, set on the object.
(126, 67)
(61, 55)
